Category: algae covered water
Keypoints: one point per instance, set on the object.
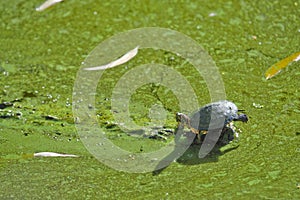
(41, 54)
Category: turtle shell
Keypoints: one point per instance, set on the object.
(214, 115)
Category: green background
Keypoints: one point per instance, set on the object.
(41, 52)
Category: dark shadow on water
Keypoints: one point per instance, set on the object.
(191, 154)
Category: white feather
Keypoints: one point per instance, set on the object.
(47, 4)
(125, 58)
(53, 154)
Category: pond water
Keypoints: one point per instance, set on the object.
(42, 52)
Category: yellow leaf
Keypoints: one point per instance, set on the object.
(276, 68)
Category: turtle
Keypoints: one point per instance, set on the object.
(213, 116)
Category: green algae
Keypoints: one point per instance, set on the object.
(41, 52)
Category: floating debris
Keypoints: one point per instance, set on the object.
(51, 117)
(257, 105)
(125, 58)
(53, 154)
(5, 105)
(276, 68)
(47, 4)
(212, 14)
(159, 133)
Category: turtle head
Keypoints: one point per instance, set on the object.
(242, 117)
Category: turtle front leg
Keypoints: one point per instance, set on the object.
(183, 120)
